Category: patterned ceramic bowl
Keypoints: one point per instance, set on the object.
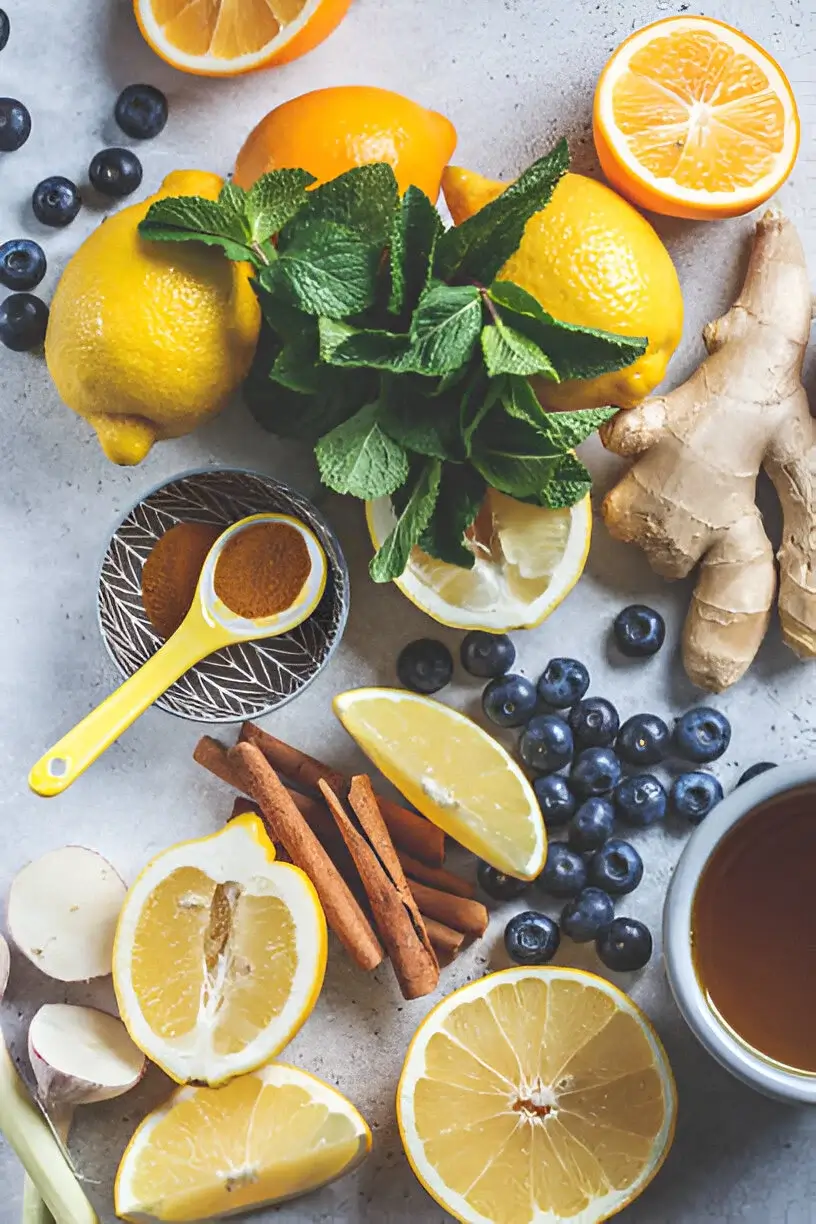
(242, 681)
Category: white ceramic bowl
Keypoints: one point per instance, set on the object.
(761, 1073)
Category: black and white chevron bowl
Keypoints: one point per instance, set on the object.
(241, 681)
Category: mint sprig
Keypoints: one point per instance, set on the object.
(390, 346)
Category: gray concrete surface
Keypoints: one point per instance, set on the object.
(511, 74)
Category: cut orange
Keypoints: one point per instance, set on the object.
(228, 37)
(694, 119)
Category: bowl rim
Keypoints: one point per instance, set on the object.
(755, 1070)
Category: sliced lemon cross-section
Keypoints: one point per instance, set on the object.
(453, 772)
(219, 955)
(536, 1096)
(263, 1138)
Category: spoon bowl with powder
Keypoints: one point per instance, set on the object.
(262, 577)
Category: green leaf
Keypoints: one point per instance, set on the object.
(480, 397)
(286, 321)
(274, 200)
(479, 247)
(416, 230)
(358, 457)
(194, 219)
(445, 329)
(507, 351)
(569, 484)
(520, 402)
(461, 494)
(513, 456)
(325, 269)
(392, 557)
(426, 425)
(363, 199)
(298, 365)
(232, 200)
(341, 345)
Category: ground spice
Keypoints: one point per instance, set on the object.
(171, 572)
(262, 570)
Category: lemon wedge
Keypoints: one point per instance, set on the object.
(261, 1139)
(536, 1096)
(219, 955)
(453, 772)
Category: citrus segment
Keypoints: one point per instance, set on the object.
(453, 772)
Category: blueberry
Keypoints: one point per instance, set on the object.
(546, 743)
(625, 945)
(115, 172)
(694, 794)
(141, 111)
(425, 666)
(497, 885)
(563, 682)
(509, 701)
(487, 654)
(5, 28)
(641, 800)
(555, 799)
(15, 125)
(587, 915)
(56, 201)
(591, 826)
(23, 320)
(595, 771)
(594, 722)
(617, 867)
(639, 631)
(564, 873)
(22, 264)
(702, 735)
(643, 740)
(754, 771)
(531, 938)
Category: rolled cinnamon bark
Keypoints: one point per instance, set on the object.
(471, 917)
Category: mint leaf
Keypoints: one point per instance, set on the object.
(358, 457)
(341, 345)
(391, 558)
(569, 484)
(324, 269)
(445, 329)
(514, 457)
(285, 321)
(363, 199)
(479, 247)
(565, 430)
(520, 402)
(298, 365)
(478, 401)
(232, 200)
(461, 494)
(194, 219)
(426, 425)
(507, 351)
(274, 200)
(416, 230)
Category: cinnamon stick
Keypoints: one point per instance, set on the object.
(436, 877)
(396, 914)
(408, 830)
(471, 917)
(446, 942)
(287, 825)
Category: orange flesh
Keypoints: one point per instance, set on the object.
(224, 29)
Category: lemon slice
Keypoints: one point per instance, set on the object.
(219, 955)
(453, 772)
(526, 561)
(536, 1095)
(261, 1139)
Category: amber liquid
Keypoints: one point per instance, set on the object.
(754, 929)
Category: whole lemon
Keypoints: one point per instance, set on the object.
(590, 259)
(147, 340)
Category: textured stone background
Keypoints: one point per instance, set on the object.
(512, 74)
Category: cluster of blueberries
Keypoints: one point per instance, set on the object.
(141, 113)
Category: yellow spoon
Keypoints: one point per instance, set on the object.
(208, 626)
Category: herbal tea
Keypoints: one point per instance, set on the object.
(754, 929)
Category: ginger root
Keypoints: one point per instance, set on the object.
(689, 497)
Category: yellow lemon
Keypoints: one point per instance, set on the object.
(147, 340)
(590, 259)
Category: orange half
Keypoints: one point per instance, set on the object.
(694, 119)
(228, 37)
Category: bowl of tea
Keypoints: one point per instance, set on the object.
(739, 933)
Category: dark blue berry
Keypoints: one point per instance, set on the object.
(555, 799)
(23, 321)
(564, 873)
(625, 945)
(115, 172)
(594, 722)
(497, 885)
(563, 682)
(591, 826)
(546, 743)
(595, 771)
(643, 739)
(15, 125)
(639, 631)
(487, 654)
(56, 201)
(694, 794)
(22, 264)
(753, 771)
(617, 867)
(531, 938)
(5, 28)
(701, 735)
(509, 701)
(640, 800)
(141, 111)
(425, 666)
(587, 915)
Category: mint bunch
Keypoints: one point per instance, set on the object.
(390, 346)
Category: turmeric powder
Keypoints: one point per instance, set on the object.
(262, 570)
(171, 572)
